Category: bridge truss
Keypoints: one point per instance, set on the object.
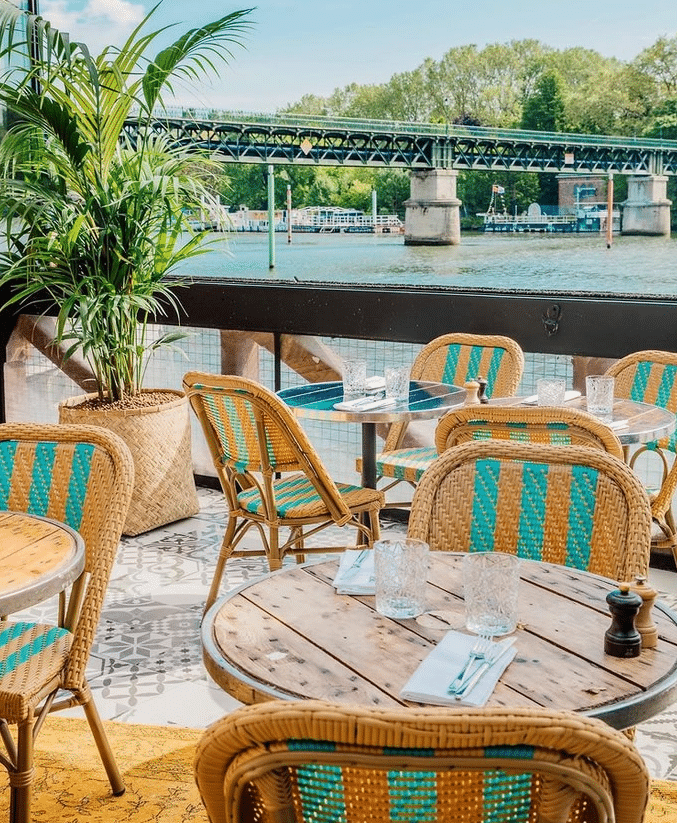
(285, 139)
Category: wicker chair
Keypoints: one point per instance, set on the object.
(252, 436)
(525, 424)
(651, 377)
(318, 761)
(570, 505)
(83, 476)
(452, 358)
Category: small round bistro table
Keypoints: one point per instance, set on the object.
(39, 558)
(427, 400)
(290, 636)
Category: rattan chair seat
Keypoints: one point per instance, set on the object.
(32, 657)
(296, 498)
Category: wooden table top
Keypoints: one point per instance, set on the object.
(288, 635)
(39, 557)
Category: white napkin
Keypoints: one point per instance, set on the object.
(619, 424)
(365, 403)
(532, 399)
(430, 681)
(355, 573)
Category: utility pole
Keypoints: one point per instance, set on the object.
(610, 210)
(271, 218)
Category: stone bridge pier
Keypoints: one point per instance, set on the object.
(647, 209)
(432, 216)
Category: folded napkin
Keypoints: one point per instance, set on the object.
(365, 403)
(355, 574)
(430, 681)
(532, 399)
(619, 424)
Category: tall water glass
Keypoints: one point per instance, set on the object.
(401, 576)
(551, 391)
(397, 382)
(354, 378)
(599, 391)
(490, 589)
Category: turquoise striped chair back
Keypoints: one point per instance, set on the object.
(570, 505)
(313, 760)
(649, 377)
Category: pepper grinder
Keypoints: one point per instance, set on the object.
(644, 623)
(482, 394)
(622, 639)
(472, 388)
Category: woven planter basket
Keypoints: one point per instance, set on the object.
(159, 439)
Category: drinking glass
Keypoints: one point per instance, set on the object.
(599, 390)
(397, 382)
(550, 391)
(401, 575)
(490, 587)
(354, 378)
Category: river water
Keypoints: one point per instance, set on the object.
(532, 262)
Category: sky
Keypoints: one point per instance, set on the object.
(315, 46)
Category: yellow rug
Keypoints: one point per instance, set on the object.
(71, 784)
(157, 765)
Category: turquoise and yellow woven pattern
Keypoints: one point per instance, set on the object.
(312, 760)
(651, 377)
(297, 498)
(27, 479)
(27, 649)
(649, 381)
(569, 505)
(405, 464)
(324, 793)
(525, 424)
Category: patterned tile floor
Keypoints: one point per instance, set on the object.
(146, 664)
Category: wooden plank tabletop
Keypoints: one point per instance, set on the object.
(38, 558)
(290, 636)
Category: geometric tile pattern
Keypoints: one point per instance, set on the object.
(146, 661)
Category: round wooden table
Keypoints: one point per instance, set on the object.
(39, 558)
(427, 401)
(289, 636)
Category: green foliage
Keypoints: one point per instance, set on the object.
(93, 219)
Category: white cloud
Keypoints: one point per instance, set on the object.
(98, 23)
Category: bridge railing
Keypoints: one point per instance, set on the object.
(438, 130)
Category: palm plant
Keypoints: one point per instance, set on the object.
(95, 214)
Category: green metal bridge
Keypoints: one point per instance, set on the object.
(239, 137)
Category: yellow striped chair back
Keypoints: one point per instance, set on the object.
(570, 505)
(313, 760)
(525, 424)
(651, 377)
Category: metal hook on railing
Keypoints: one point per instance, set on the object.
(551, 318)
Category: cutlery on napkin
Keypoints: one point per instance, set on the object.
(365, 403)
(355, 573)
(430, 682)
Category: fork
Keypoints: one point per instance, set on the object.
(477, 653)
